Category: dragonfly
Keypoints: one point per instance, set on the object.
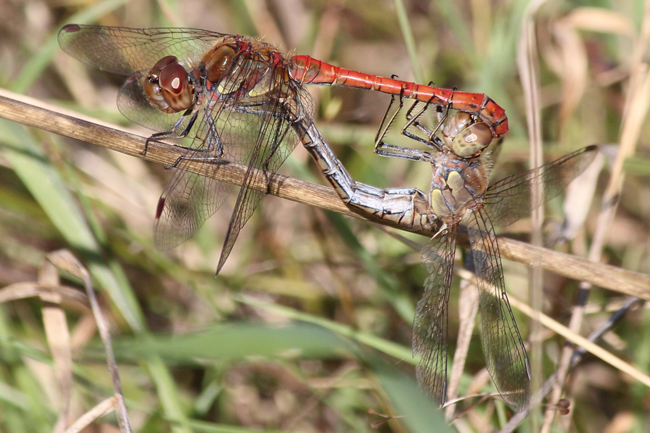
(459, 197)
(238, 100)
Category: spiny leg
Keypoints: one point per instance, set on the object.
(390, 150)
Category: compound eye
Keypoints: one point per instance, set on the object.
(472, 140)
(167, 86)
(175, 87)
(173, 78)
(456, 123)
(154, 73)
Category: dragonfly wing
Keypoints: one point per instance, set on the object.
(505, 354)
(189, 199)
(124, 50)
(511, 198)
(224, 133)
(430, 324)
(134, 52)
(276, 140)
(268, 122)
(183, 207)
(247, 121)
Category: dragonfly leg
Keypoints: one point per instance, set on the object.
(172, 134)
(214, 142)
(413, 120)
(272, 154)
(212, 139)
(198, 154)
(432, 136)
(390, 150)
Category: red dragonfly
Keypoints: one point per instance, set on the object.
(238, 100)
(460, 194)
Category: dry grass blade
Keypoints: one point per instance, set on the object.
(58, 338)
(103, 408)
(581, 341)
(30, 114)
(63, 259)
(575, 359)
(58, 335)
(601, 20)
(28, 290)
(467, 311)
(574, 337)
(529, 71)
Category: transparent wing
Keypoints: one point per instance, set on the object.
(503, 348)
(189, 199)
(249, 130)
(275, 141)
(430, 324)
(134, 52)
(511, 198)
(124, 50)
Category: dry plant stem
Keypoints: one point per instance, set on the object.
(630, 303)
(636, 108)
(58, 338)
(581, 341)
(103, 408)
(528, 71)
(610, 277)
(467, 311)
(66, 261)
(571, 336)
(28, 290)
(514, 422)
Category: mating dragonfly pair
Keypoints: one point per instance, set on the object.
(240, 100)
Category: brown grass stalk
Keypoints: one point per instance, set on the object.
(36, 114)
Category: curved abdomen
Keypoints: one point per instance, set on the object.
(306, 69)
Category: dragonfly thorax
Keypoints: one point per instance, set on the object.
(458, 185)
(239, 68)
(169, 87)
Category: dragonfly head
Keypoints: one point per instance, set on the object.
(168, 86)
(466, 137)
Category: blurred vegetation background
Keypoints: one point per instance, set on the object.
(308, 325)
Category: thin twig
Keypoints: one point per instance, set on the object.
(64, 259)
(578, 354)
(529, 72)
(58, 338)
(104, 408)
(32, 114)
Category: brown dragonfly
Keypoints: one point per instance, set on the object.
(460, 197)
(238, 100)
